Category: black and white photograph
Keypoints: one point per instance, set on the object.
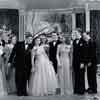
(49, 50)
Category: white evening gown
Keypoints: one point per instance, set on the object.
(11, 86)
(43, 80)
(65, 72)
(3, 89)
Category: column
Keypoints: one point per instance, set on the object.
(21, 25)
(87, 17)
(73, 21)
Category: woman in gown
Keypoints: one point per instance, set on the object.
(64, 67)
(11, 69)
(43, 79)
(3, 87)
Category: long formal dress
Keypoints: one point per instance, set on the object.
(10, 71)
(43, 80)
(64, 70)
(3, 89)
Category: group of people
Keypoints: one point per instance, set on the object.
(7, 74)
(43, 68)
(84, 63)
(62, 64)
(48, 72)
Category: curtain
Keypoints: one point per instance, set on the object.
(80, 21)
(48, 21)
(10, 17)
(95, 29)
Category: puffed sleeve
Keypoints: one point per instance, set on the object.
(33, 56)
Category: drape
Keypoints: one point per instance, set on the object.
(48, 21)
(80, 21)
(95, 29)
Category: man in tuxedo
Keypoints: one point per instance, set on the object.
(88, 59)
(28, 62)
(17, 57)
(53, 50)
(78, 69)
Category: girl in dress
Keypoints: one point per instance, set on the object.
(64, 67)
(43, 79)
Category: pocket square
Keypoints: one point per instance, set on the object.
(81, 44)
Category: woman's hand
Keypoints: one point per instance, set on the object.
(9, 64)
(59, 65)
(89, 64)
(33, 70)
(81, 66)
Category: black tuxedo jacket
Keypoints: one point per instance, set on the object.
(53, 53)
(88, 51)
(76, 54)
(53, 50)
(28, 59)
(17, 56)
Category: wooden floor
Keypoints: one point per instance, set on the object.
(57, 97)
(72, 97)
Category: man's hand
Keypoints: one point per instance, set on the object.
(9, 64)
(81, 66)
(59, 65)
(89, 64)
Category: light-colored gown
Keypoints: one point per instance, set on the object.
(3, 89)
(10, 70)
(64, 70)
(43, 80)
